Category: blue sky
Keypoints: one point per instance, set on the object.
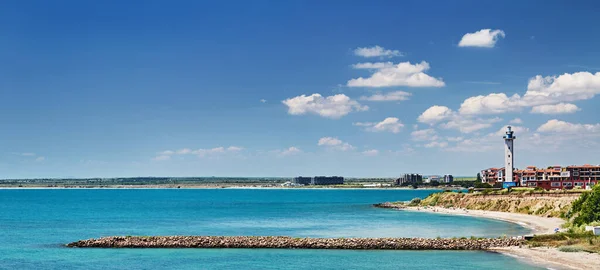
(227, 88)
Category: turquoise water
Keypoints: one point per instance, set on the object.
(35, 223)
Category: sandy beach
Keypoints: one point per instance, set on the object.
(542, 256)
(538, 225)
(553, 258)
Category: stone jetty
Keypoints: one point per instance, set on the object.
(285, 242)
(390, 205)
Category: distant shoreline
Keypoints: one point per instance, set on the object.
(217, 186)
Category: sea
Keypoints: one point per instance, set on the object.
(35, 224)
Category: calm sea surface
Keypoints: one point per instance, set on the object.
(34, 224)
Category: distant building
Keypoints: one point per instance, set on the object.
(410, 178)
(300, 180)
(327, 180)
(448, 178)
(432, 178)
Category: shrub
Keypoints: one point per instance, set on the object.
(570, 249)
(415, 202)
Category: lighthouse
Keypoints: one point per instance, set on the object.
(508, 157)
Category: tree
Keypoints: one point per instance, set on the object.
(478, 177)
(415, 185)
(587, 207)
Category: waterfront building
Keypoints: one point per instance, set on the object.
(448, 178)
(411, 178)
(432, 178)
(300, 180)
(557, 177)
(327, 180)
(318, 180)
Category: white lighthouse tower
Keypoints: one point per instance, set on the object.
(508, 156)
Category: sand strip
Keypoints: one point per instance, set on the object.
(538, 225)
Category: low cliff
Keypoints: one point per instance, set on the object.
(290, 242)
(548, 205)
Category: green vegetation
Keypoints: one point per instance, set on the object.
(415, 202)
(568, 242)
(586, 209)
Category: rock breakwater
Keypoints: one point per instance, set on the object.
(294, 243)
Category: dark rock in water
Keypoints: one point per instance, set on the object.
(390, 205)
(289, 242)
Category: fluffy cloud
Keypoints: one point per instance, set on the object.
(435, 114)
(561, 108)
(485, 38)
(424, 135)
(376, 51)
(332, 107)
(549, 90)
(372, 152)
(402, 74)
(558, 126)
(335, 143)
(292, 150)
(492, 103)
(391, 96)
(566, 87)
(167, 154)
(469, 124)
(390, 124)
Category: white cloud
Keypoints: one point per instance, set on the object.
(376, 51)
(391, 96)
(335, 143)
(424, 135)
(372, 152)
(566, 87)
(390, 124)
(234, 148)
(516, 121)
(489, 104)
(369, 65)
(332, 107)
(40, 159)
(558, 126)
(263, 100)
(549, 90)
(561, 108)
(436, 144)
(402, 74)
(435, 114)
(485, 38)
(292, 150)
(28, 154)
(469, 124)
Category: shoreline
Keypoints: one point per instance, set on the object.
(540, 256)
(220, 187)
(551, 257)
(538, 225)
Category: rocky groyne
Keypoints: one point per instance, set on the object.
(390, 205)
(295, 243)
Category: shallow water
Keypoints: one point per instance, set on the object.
(35, 223)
